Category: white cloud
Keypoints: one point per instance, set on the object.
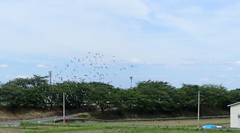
(188, 63)
(23, 76)
(133, 8)
(63, 29)
(150, 76)
(4, 66)
(193, 10)
(153, 32)
(75, 26)
(230, 68)
(230, 12)
(208, 28)
(7, 76)
(41, 66)
(135, 61)
(204, 79)
(237, 62)
(221, 76)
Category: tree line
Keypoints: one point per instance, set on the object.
(146, 97)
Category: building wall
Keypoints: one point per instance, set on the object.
(234, 112)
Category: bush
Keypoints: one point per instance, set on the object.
(84, 115)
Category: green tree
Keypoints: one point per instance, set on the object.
(234, 96)
(22, 92)
(156, 96)
(12, 96)
(214, 96)
(127, 99)
(28, 82)
(187, 97)
(102, 95)
(76, 93)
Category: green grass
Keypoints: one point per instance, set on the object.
(98, 128)
(107, 127)
(121, 129)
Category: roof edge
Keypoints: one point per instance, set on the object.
(233, 104)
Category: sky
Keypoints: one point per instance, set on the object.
(179, 42)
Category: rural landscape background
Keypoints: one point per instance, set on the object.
(118, 60)
(147, 99)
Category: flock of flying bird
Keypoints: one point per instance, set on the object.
(90, 68)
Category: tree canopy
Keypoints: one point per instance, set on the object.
(146, 97)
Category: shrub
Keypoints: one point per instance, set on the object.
(84, 115)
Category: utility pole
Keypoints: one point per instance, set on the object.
(64, 119)
(131, 80)
(50, 82)
(198, 106)
(50, 76)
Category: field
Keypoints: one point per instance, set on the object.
(182, 126)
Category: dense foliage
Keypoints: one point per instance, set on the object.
(147, 97)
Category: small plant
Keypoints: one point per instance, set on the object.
(228, 130)
(84, 115)
(27, 124)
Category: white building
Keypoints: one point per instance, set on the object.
(235, 115)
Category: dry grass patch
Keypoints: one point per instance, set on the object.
(224, 122)
(8, 130)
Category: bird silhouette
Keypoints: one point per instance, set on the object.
(89, 68)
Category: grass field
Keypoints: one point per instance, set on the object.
(177, 123)
(182, 126)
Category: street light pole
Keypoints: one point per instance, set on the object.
(50, 76)
(50, 82)
(198, 106)
(131, 80)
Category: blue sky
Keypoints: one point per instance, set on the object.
(191, 42)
